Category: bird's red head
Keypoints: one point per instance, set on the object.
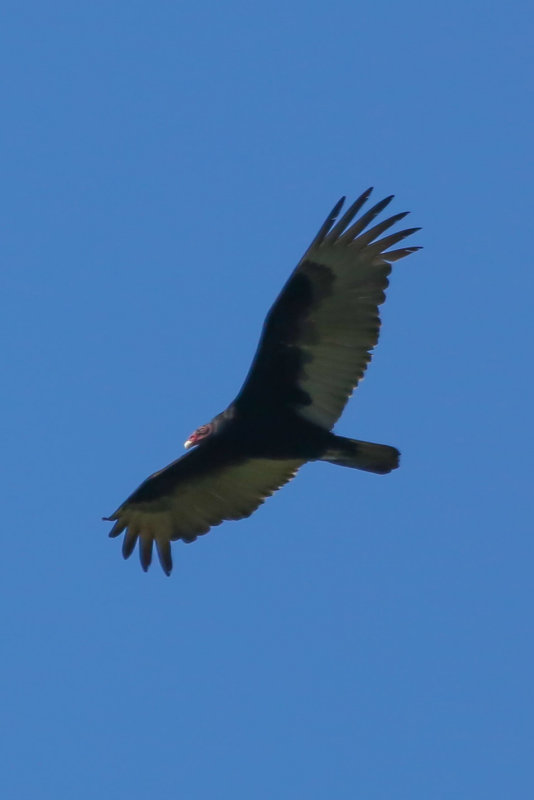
(199, 435)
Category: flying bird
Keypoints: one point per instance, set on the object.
(314, 348)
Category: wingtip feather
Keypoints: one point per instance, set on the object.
(128, 543)
(117, 529)
(163, 548)
(327, 224)
(145, 551)
(361, 224)
(349, 215)
(396, 255)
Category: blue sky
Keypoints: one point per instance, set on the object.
(164, 166)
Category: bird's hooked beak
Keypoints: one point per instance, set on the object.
(189, 443)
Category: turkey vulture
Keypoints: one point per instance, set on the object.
(315, 345)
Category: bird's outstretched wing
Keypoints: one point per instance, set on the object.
(194, 493)
(318, 336)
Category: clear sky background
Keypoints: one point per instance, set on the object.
(164, 166)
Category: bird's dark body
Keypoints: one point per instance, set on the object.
(315, 345)
(260, 436)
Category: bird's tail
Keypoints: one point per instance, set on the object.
(378, 458)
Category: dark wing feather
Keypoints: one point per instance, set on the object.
(318, 336)
(191, 495)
